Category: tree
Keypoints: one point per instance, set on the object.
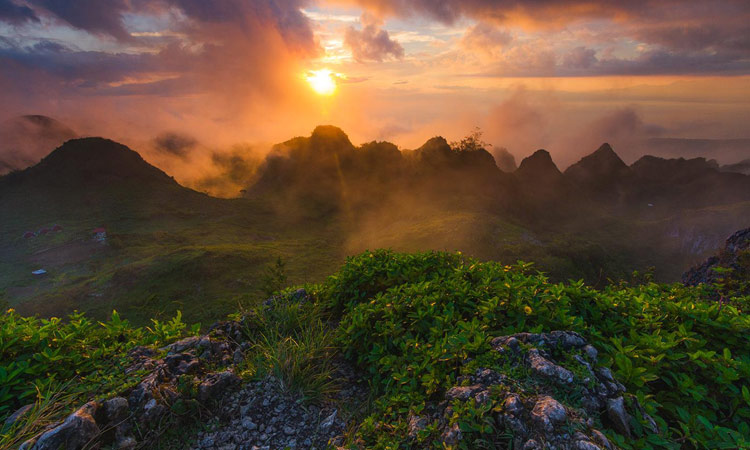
(274, 279)
(472, 142)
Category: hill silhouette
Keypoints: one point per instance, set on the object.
(24, 140)
(88, 163)
(320, 197)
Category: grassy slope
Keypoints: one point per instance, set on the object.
(168, 250)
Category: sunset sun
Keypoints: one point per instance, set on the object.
(322, 81)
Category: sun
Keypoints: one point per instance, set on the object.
(322, 81)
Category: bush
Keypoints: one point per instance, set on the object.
(85, 359)
(411, 320)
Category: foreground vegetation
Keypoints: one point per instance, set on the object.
(413, 324)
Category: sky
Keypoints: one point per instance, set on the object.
(171, 77)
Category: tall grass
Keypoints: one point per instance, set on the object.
(290, 343)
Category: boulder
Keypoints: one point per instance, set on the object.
(79, 430)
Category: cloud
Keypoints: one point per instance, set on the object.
(16, 14)
(94, 16)
(372, 43)
(676, 36)
(580, 58)
(176, 144)
(486, 38)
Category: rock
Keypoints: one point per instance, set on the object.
(327, 423)
(152, 412)
(115, 411)
(77, 431)
(216, 384)
(125, 443)
(512, 405)
(462, 392)
(532, 444)
(183, 344)
(618, 416)
(542, 366)
(17, 415)
(249, 424)
(452, 435)
(591, 353)
(488, 377)
(182, 363)
(238, 356)
(548, 412)
(482, 397)
(416, 424)
(601, 439)
(729, 257)
(586, 445)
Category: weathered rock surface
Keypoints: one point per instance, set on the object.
(535, 408)
(560, 365)
(729, 257)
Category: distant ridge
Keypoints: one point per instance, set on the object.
(90, 162)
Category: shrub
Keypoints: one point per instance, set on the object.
(78, 356)
(411, 320)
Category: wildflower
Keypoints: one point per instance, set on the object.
(527, 310)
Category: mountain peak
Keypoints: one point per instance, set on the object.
(93, 161)
(603, 163)
(330, 138)
(539, 164)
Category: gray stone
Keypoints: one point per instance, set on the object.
(327, 423)
(601, 439)
(512, 404)
(183, 344)
(416, 424)
(115, 411)
(17, 415)
(618, 416)
(462, 392)
(452, 435)
(586, 445)
(249, 424)
(548, 412)
(77, 431)
(216, 384)
(591, 353)
(542, 366)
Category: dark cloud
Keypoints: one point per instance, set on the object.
(555, 12)
(176, 144)
(372, 43)
(580, 58)
(16, 14)
(94, 16)
(683, 36)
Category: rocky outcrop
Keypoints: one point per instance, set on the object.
(125, 421)
(537, 409)
(197, 377)
(552, 397)
(730, 257)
